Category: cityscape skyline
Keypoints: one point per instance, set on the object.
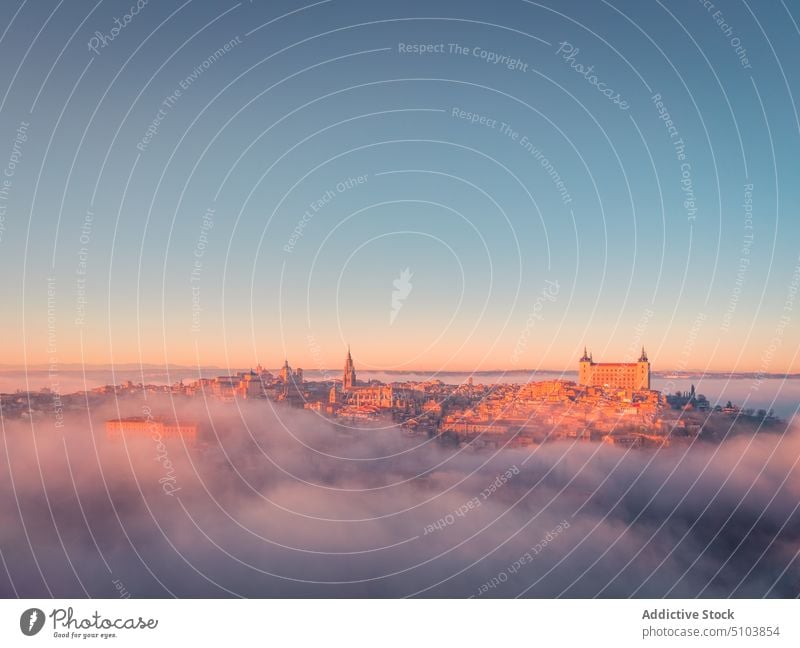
(611, 402)
(341, 299)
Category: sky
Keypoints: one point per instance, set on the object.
(440, 185)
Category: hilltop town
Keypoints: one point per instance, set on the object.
(611, 403)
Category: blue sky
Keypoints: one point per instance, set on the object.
(304, 102)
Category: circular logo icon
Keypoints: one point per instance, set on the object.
(31, 621)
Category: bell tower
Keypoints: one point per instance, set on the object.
(349, 379)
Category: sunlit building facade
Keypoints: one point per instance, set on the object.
(633, 376)
(154, 427)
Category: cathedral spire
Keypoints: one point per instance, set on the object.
(349, 377)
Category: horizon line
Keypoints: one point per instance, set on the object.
(129, 366)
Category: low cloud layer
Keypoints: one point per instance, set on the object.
(277, 502)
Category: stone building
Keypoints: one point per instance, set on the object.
(632, 376)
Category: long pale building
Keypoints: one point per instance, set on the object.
(153, 427)
(632, 376)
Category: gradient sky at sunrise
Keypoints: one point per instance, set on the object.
(508, 268)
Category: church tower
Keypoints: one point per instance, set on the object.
(286, 372)
(349, 380)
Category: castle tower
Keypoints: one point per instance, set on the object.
(349, 379)
(585, 369)
(643, 371)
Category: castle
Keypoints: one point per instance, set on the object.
(632, 376)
